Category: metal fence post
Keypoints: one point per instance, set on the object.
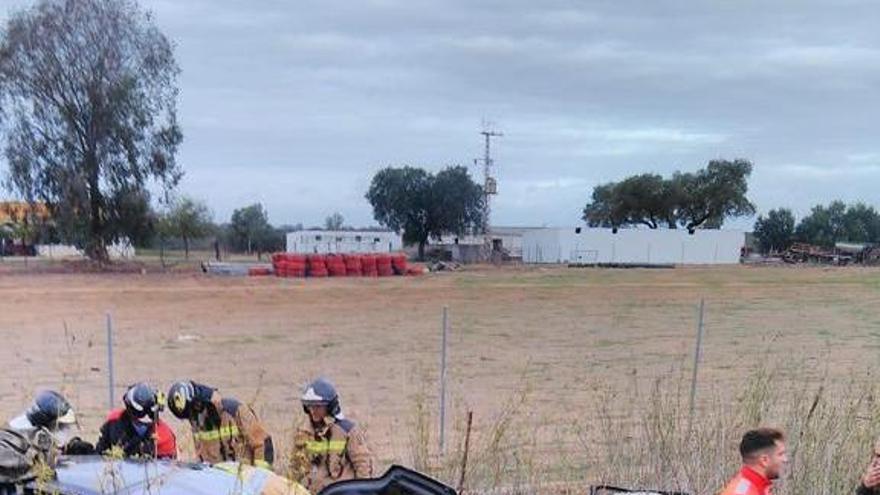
(110, 377)
(443, 381)
(697, 353)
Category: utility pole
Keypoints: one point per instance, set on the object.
(490, 186)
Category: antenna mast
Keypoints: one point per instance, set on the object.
(490, 185)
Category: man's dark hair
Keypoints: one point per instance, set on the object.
(755, 441)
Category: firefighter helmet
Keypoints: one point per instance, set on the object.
(321, 393)
(181, 396)
(142, 402)
(49, 410)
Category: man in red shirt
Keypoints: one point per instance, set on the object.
(764, 458)
(136, 430)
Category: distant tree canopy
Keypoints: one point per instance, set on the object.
(334, 222)
(775, 232)
(135, 218)
(88, 100)
(421, 205)
(249, 231)
(823, 226)
(837, 222)
(187, 219)
(691, 200)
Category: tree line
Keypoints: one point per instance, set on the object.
(183, 224)
(705, 198)
(186, 223)
(823, 226)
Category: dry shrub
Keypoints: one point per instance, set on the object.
(650, 441)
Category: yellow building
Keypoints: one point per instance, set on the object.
(17, 212)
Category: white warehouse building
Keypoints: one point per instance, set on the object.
(343, 241)
(632, 246)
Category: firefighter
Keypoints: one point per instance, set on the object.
(763, 458)
(870, 482)
(223, 428)
(52, 412)
(136, 429)
(330, 447)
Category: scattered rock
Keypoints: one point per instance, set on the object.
(444, 266)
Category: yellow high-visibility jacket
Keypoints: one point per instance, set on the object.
(332, 452)
(227, 430)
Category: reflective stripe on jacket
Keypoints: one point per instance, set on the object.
(228, 430)
(329, 454)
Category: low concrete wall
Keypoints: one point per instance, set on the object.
(60, 251)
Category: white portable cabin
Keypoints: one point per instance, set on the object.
(342, 241)
(633, 246)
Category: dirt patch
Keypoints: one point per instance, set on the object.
(560, 332)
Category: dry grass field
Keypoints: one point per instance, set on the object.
(555, 363)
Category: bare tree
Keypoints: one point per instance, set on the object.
(334, 222)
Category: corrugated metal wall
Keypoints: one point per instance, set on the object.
(640, 246)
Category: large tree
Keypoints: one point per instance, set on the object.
(645, 199)
(692, 200)
(714, 193)
(421, 205)
(775, 232)
(88, 97)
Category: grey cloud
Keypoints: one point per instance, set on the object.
(296, 104)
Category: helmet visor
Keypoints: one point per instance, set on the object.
(312, 398)
(20, 422)
(69, 418)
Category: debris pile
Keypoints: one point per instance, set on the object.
(444, 266)
(841, 254)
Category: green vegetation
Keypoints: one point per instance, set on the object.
(645, 439)
(691, 200)
(88, 93)
(421, 205)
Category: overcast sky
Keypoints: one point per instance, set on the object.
(296, 104)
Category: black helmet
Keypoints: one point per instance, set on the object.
(142, 402)
(321, 393)
(187, 398)
(49, 410)
(180, 399)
